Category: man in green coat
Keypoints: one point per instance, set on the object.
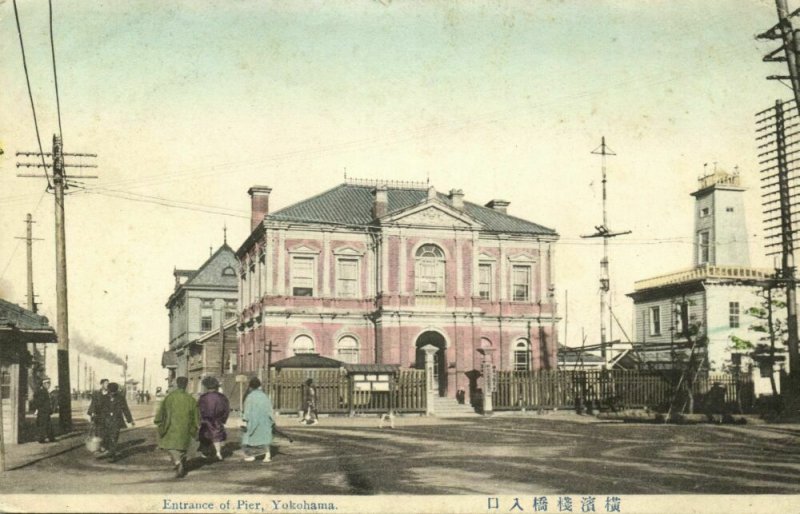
(178, 420)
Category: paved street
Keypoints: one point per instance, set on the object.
(503, 455)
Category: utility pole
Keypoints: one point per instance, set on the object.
(788, 52)
(606, 233)
(269, 349)
(29, 239)
(78, 376)
(60, 183)
(144, 368)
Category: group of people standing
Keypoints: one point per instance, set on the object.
(181, 420)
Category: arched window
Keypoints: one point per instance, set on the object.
(228, 271)
(347, 350)
(522, 355)
(303, 344)
(429, 268)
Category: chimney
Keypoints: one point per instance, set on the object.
(380, 205)
(456, 197)
(259, 204)
(431, 193)
(498, 205)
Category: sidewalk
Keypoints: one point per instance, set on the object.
(25, 454)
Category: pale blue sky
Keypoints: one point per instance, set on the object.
(196, 101)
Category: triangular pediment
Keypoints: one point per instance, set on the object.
(432, 213)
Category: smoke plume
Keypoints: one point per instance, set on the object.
(94, 350)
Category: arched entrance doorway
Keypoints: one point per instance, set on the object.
(439, 360)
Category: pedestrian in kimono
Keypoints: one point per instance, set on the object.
(309, 403)
(114, 413)
(95, 410)
(177, 419)
(214, 410)
(44, 408)
(258, 418)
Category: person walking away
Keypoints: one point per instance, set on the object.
(309, 403)
(114, 414)
(95, 410)
(178, 420)
(44, 408)
(214, 410)
(257, 414)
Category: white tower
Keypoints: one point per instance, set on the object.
(720, 228)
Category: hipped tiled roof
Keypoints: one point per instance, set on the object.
(351, 204)
(308, 360)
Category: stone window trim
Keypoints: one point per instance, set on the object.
(348, 276)
(348, 348)
(347, 251)
(429, 270)
(303, 274)
(486, 283)
(303, 342)
(521, 354)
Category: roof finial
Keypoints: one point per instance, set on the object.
(345, 173)
(224, 232)
(428, 178)
(210, 251)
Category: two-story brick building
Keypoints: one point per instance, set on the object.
(370, 273)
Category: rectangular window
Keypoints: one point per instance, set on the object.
(655, 321)
(704, 212)
(703, 247)
(5, 382)
(302, 276)
(733, 314)
(206, 314)
(230, 309)
(521, 283)
(485, 281)
(347, 278)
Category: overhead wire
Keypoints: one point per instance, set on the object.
(30, 95)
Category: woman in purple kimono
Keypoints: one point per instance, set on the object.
(214, 410)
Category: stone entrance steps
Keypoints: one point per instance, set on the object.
(450, 408)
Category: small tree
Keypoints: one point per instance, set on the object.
(771, 331)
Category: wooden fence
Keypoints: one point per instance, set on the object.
(622, 388)
(337, 393)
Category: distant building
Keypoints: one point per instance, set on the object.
(370, 272)
(214, 353)
(202, 299)
(718, 290)
(19, 328)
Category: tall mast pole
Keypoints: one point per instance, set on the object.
(603, 231)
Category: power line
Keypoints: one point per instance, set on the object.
(30, 94)
(164, 204)
(55, 75)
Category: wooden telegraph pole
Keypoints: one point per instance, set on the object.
(61, 181)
